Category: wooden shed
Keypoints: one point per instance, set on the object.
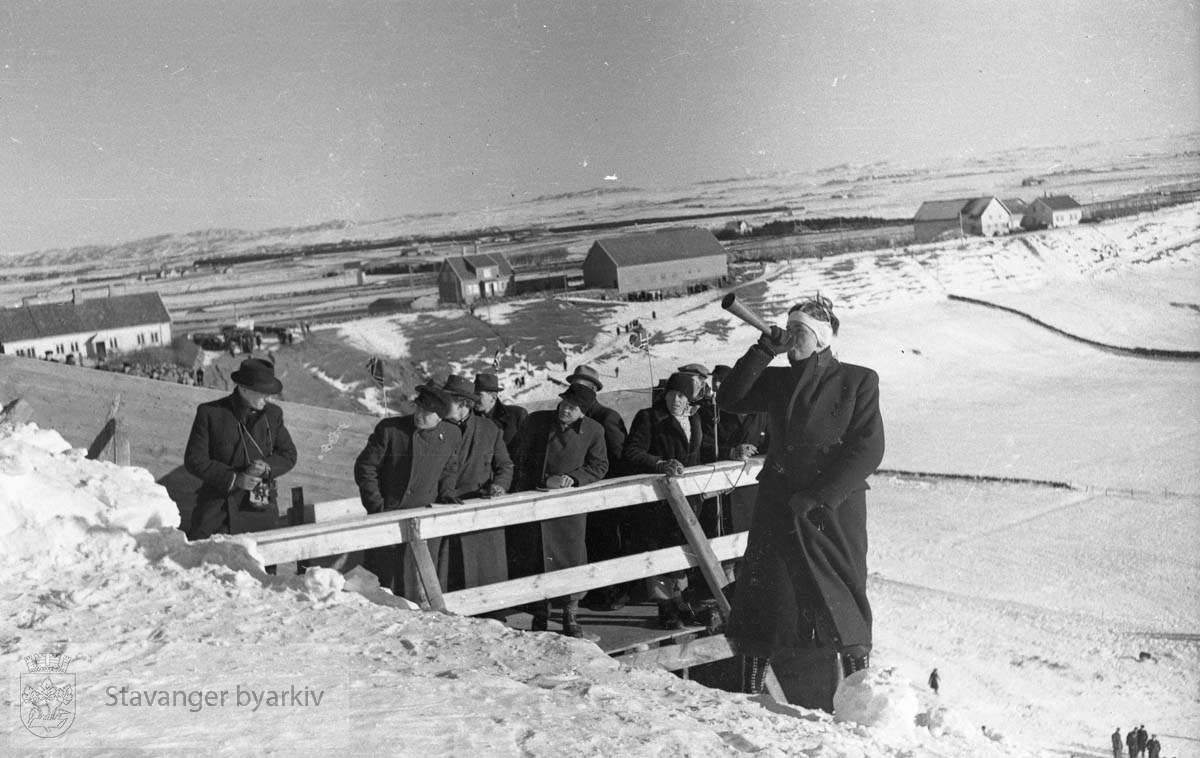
(664, 260)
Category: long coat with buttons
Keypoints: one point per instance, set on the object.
(654, 436)
(826, 439)
(477, 558)
(403, 467)
(544, 449)
(218, 447)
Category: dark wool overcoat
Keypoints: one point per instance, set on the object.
(545, 449)
(217, 450)
(476, 558)
(614, 436)
(399, 468)
(509, 418)
(654, 436)
(826, 439)
(735, 429)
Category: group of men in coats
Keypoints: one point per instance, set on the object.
(1139, 742)
(799, 602)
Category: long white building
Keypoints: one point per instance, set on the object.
(93, 329)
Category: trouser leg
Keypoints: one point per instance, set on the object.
(810, 677)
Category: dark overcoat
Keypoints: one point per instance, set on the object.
(826, 438)
(476, 558)
(546, 449)
(217, 450)
(509, 418)
(734, 429)
(401, 467)
(614, 436)
(654, 436)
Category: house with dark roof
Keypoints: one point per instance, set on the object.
(1054, 211)
(986, 217)
(665, 260)
(466, 278)
(95, 329)
(1018, 209)
(946, 219)
(939, 219)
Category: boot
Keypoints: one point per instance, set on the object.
(754, 673)
(570, 624)
(540, 624)
(852, 663)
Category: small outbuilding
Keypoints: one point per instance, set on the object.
(93, 328)
(663, 260)
(1053, 211)
(986, 217)
(1018, 209)
(939, 219)
(464, 279)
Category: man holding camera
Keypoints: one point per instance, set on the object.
(238, 448)
(800, 602)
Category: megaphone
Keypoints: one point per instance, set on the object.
(731, 304)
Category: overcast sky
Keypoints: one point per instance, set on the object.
(123, 119)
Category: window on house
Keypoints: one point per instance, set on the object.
(112, 342)
(74, 347)
(154, 336)
(141, 338)
(59, 349)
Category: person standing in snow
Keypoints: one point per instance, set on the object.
(800, 602)
(484, 470)
(238, 448)
(1153, 748)
(1131, 742)
(1142, 739)
(934, 681)
(1117, 743)
(556, 449)
(408, 462)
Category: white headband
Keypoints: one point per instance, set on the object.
(823, 330)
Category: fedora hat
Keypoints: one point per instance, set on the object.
(685, 382)
(258, 375)
(581, 395)
(585, 373)
(694, 368)
(460, 386)
(434, 398)
(487, 383)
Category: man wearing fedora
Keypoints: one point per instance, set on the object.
(238, 448)
(508, 417)
(484, 470)
(408, 462)
(556, 449)
(608, 532)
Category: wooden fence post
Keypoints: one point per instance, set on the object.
(426, 571)
(113, 440)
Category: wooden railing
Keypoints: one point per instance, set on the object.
(341, 526)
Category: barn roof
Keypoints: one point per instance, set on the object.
(1015, 205)
(1060, 202)
(661, 246)
(52, 319)
(465, 266)
(941, 210)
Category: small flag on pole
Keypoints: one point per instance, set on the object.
(375, 369)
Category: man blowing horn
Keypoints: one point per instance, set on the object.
(800, 600)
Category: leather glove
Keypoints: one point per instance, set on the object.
(779, 342)
(559, 481)
(743, 451)
(246, 481)
(491, 490)
(670, 467)
(448, 500)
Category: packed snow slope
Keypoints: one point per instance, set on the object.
(1035, 602)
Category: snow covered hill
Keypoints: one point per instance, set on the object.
(1035, 603)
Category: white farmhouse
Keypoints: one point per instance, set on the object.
(1054, 211)
(94, 329)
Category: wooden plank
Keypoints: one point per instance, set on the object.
(710, 566)
(343, 536)
(682, 655)
(515, 592)
(431, 590)
(334, 510)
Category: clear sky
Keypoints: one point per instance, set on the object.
(123, 119)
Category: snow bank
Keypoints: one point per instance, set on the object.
(56, 504)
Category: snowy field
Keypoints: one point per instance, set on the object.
(1034, 602)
